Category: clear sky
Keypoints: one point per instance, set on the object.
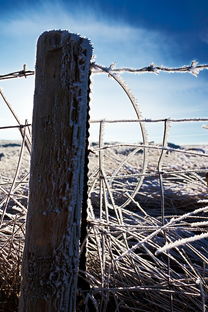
(131, 33)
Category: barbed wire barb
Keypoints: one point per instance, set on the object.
(18, 74)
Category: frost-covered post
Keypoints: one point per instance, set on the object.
(60, 118)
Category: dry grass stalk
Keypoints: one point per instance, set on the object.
(124, 268)
(136, 276)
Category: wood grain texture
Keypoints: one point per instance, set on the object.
(51, 255)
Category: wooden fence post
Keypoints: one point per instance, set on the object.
(60, 117)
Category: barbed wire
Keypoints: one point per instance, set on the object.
(18, 74)
(193, 69)
(149, 120)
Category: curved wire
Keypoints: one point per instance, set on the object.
(134, 103)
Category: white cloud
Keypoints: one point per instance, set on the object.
(110, 36)
(55, 16)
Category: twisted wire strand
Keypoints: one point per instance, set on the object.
(194, 68)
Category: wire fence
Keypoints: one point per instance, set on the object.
(147, 213)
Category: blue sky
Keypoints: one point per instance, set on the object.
(130, 33)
